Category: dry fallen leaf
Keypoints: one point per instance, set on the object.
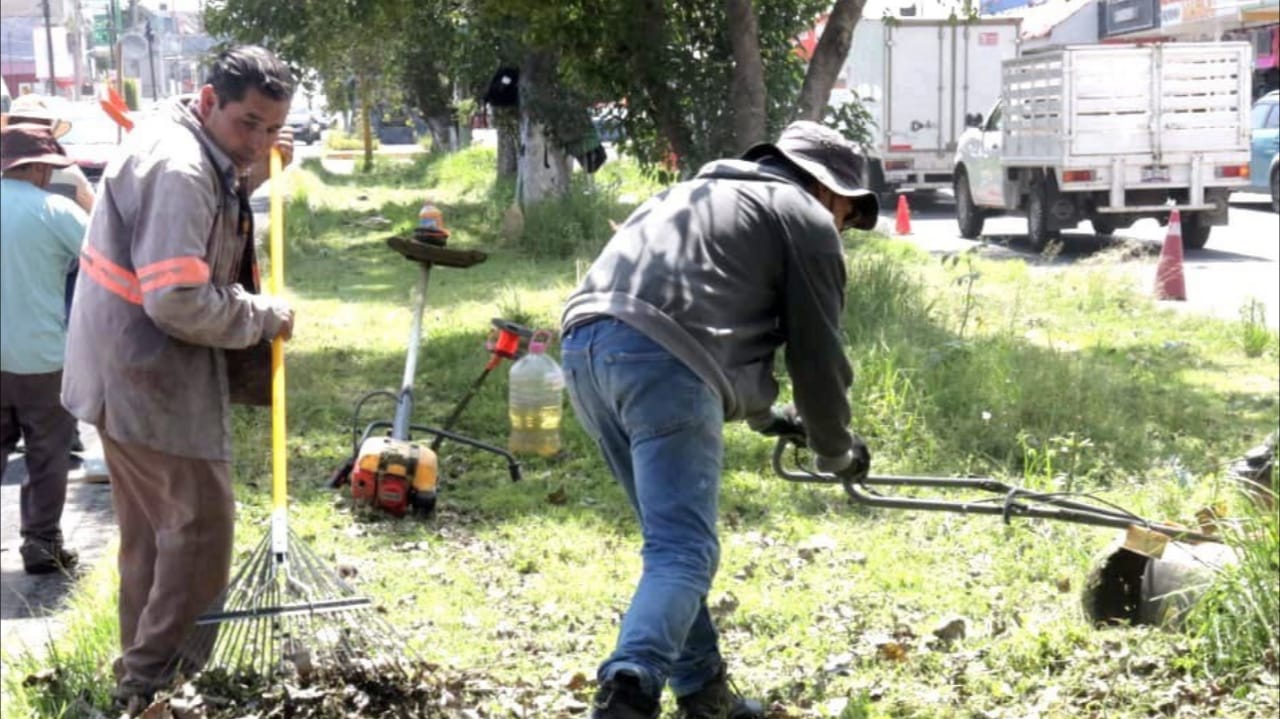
(891, 651)
(576, 682)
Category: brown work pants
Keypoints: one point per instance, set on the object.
(176, 518)
(30, 409)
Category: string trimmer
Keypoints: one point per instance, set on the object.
(392, 472)
(1149, 575)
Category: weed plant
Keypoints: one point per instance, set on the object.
(1237, 620)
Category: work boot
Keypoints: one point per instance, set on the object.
(47, 557)
(622, 698)
(718, 699)
(129, 703)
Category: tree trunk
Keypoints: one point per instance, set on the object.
(430, 95)
(646, 68)
(366, 118)
(748, 91)
(440, 125)
(543, 165)
(828, 58)
(506, 121)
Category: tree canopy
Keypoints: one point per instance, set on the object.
(686, 81)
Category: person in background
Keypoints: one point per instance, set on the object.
(672, 333)
(40, 234)
(163, 337)
(69, 181)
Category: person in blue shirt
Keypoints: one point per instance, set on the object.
(40, 234)
(69, 181)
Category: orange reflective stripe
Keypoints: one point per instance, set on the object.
(173, 271)
(109, 275)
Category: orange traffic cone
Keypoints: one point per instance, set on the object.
(1170, 284)
(903, 226)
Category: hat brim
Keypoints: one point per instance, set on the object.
(46, 159)
(57, 128)
(864, 201)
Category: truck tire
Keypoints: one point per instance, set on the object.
(1195, 231)
(1275, 189)
(1102, 228)
(1038, 232)
(968, 216)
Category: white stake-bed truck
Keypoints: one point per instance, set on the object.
(918, 80)
(1111, 134)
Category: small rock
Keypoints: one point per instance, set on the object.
(951, 629)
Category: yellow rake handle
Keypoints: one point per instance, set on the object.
(279, 464)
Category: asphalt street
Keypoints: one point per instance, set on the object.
(30, 605)
(1240, 263)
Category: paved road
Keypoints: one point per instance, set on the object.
(1240, 263)
(29, 604)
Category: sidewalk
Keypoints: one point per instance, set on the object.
(29, 605)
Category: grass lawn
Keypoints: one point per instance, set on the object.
(1064, 381)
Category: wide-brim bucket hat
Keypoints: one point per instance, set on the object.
(830, 159)
(34, 109)
(29, 145)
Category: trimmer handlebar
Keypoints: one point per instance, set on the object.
(1003, 499)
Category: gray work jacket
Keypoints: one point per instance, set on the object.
(166, 285)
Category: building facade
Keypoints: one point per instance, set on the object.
(1255, 21)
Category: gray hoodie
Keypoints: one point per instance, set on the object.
(722, 270)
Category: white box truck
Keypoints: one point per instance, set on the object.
(1111, 134)
(919, 80)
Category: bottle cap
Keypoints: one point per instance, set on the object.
(538, 343)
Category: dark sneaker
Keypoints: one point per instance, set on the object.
(719, 699)
(621, 698)
(47, 558)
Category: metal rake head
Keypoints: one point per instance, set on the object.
(291, 615)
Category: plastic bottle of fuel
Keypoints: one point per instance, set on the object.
(536, 390)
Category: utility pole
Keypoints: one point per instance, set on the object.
(151, 58)
(48, 40)
(117, 58)
(78, 58)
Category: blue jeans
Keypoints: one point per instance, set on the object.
(660, 429)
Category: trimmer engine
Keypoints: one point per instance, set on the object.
(395, 475)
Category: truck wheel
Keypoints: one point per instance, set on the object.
(887, 195)
(968, 216)
(1275, 190)
(1038, 232)
(1102, 228)
(1195, 232)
